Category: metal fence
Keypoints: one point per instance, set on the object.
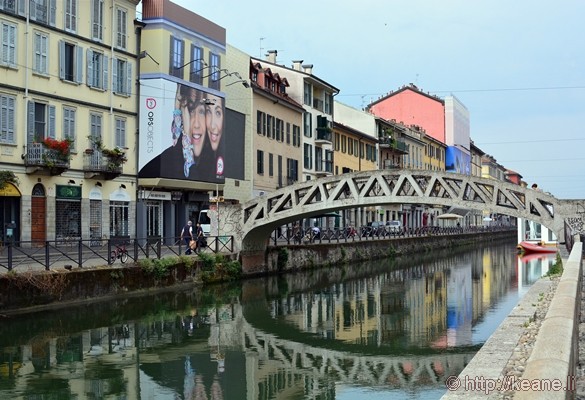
(298, 236)
(79, 252)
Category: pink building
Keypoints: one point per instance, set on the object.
(410, 106)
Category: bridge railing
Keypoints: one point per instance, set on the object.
(69, 252)
(303, 236)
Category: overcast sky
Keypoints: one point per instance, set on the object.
(518, 66)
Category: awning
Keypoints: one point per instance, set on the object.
(449, 216)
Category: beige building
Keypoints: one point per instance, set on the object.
(68, 119)
(277, 151)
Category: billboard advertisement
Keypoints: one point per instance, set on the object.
(182, 133)
(457, 161)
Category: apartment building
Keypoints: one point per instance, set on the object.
(278, 120)
(316, 96)
(68, 116)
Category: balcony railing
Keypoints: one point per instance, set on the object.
(324, 167)
(97, 163)
(389, 164)
(38, 156)
(324, 134)
(389, 142)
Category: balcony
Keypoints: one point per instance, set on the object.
(324, 168)
(98, 164)
(40, 159)
(393, 144)
(390, 164)
(324, 135)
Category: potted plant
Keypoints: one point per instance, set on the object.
(116, 158)
(7, 177)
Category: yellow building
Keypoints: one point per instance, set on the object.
(68, 117)
(277, 130)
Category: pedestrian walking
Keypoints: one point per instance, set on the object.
(187, 236)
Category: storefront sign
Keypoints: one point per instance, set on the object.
(154, 195)
(68, 192)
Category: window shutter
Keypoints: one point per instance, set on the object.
(105, 86)
(79, 64)
(171, 55)
(21, 7)
(52, 12)
(30, 129)
(89, 67)
(129, 79)
(51, 132)
(115, 65)
(61, 60)
(10, 128)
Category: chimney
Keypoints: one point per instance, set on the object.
(271, 56)
(297, 65)
(308, 68)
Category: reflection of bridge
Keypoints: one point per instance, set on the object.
(253, 221)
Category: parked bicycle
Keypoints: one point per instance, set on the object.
(119, 252)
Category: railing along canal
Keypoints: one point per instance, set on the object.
(68, 252)
(298, 236)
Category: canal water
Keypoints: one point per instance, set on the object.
(394, 328)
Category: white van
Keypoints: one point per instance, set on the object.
(204, 221)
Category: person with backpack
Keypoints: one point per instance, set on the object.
(187, 236)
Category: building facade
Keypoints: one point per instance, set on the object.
(68, 113)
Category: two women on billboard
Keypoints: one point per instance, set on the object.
(197, 149)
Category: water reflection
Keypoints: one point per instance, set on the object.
(392, 327)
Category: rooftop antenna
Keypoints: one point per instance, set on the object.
(261, 48)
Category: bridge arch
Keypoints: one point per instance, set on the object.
(253, 221)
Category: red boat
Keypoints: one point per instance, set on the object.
(531, 247)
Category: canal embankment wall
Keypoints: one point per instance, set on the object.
(59, 287)
(294, 257)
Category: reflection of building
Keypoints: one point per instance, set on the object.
(68, 118)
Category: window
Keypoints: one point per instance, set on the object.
(7, 119)
(122, 77)
(71, 15)
(43, 11)
(318, 159)
(8, 55)
(95, 127)
(67, 218)
(97, 19)
(343, 143)
(292, 168)
(288, 133)
(308, 94)
(270, 165)
(355, 148)
(296, 136)
(260, 162)
(196, 71)
(308, 156)
(11, 6)
(279, 132)
(41, 53)
(70, 62)
(121, 28)
(308, 123)
(328, 167)
(41, 121)
(215, 67)
(95, 221)
(118, 218)
(120, 134)
(337, 140)
(69, 124)
(97, 70)
(328, 102)
(261, 123)
(154, 218)
(350, 146)
(269, 126)
(177, 57)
